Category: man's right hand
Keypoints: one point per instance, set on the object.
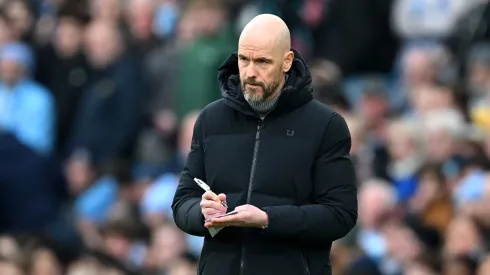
(211, 205)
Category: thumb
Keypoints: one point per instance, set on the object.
(222, 197)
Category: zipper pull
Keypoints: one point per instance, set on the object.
(259, 127)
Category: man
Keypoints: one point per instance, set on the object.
(29, 192)
(26, 107)
(278, 157)
(63, 69)
(109, 117)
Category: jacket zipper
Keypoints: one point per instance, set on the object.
(305, 264)
(250, 181)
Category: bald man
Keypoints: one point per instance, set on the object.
(276, 156)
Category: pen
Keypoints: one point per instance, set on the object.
(206, 188)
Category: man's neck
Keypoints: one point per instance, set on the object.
(265, 107)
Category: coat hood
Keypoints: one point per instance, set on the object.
(296, 92)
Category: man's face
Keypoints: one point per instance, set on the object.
(454, 244)
(9, 269)
(440, 145)
(402, 243)
(167, 245)
(210, 19)
(140, 16)
(374, 108)
(101, 44)
(117, 246)
(261, 69)
(371, 207)
(417, 68)
(10, 71)
(20, 16)
(68, 36)
(428, 98)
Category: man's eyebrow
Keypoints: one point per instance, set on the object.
(263, 59)
(260, 59)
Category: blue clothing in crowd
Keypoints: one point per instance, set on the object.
(95, 203)
(27, 111)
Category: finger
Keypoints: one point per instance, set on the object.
(212, 204)
(210, 224)
(222, 197)
(242, 207)
(227, 219)
(209, 195)
(211, 212)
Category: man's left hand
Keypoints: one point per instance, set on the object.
(247, 216)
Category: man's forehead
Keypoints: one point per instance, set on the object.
(257, 45)
(255, 53)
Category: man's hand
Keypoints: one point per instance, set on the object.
(247, 216)
(211, 205)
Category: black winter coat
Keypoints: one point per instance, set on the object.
(295, 165)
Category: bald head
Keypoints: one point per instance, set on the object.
(265, 56)
(276, 30)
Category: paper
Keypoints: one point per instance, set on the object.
(213, 231)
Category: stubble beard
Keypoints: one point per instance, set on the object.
(253, 96)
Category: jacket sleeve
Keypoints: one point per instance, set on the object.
(334, 212)
(185, 206)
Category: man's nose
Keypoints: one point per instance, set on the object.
(251, 72)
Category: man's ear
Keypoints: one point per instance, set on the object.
(288, 61)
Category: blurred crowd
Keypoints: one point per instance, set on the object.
(98, 99)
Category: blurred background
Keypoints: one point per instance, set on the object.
(98, 99)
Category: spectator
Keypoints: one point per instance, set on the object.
(27, 109)
(22, 19)
(140, 23)
(407, 151)
(445, 130)
(376, 201)
(168, 244)
(108, 132)
(63, 69)
(26, 140)
(44, 261)
(432, 201)
(216, 41)
(471, 245)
